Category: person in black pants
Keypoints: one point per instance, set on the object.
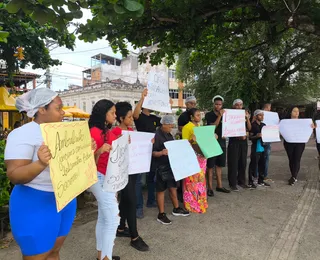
(145, 122)
(128, 198)
(258, 159)
(237, 154)
(294, 150)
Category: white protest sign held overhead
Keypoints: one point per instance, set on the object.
(158, 92)
(182, 158)
(118, 165)
(140, 151)
(296, 130)
(234, 123)
(271, 118)
(318, 131)
(270, 134)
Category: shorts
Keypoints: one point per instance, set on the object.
(163, 185)
(219, 160)
(34, 219)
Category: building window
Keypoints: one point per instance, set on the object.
(172, 74)
(174, 93)
(84, 107)
(186, 94)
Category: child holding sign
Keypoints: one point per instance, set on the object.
(194, 187)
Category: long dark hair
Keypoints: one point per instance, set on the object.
(191, 112)
(289, 110)
(98, 115)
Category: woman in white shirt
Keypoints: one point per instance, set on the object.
(36, 225)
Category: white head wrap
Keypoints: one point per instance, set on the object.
(217, 97)
(31, 101)
(168, 120)
(190, 99)
(258, 112)
(238, 100)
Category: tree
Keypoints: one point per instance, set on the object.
(175, 25)
(28, 37)
(257, 73)
(178, 25)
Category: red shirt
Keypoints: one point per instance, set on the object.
(118, 131)
(97, 135)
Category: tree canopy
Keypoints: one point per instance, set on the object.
(175, 25)
(28, 36)
(263, 73)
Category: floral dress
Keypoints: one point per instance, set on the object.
(194, 187)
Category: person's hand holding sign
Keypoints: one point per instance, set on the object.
(144, 93)
(93, 145)
(221, 112)
(105, 148)
(44, 155)
(164, 152)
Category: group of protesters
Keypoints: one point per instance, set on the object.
(41, 232)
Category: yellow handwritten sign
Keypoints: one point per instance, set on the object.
(72, 167)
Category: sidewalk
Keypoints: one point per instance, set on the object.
(280, 222)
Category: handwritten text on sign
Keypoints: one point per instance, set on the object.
(296, 130)
(118, 165)
(270, 134)
(140, 151)
(72, 167)
(182, 158)
(233, 123)
(158, 92)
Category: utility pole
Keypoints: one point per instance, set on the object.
(50, 45)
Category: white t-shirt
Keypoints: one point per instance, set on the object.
(24, 143)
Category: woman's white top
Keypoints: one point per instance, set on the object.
(23, 143)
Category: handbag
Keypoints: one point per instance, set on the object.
(165, 172)
(260, 148)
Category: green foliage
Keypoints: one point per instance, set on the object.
(4, 181)
(253, 69)
(22, 31)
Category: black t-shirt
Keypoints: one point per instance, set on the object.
(147, 123)
(159, 139)
(256, 129)
(184, 119)
(211, 118)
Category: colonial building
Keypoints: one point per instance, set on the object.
(106, 70)
(115, 90)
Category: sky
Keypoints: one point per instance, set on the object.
(73, 62)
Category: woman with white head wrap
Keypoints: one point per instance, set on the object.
(36, 226)
(164, 175)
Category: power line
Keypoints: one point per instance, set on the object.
(72, 52)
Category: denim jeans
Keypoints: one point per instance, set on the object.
(151, 188)
(108, 217)
(267, 155)
(139, 195)
(267, 151)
